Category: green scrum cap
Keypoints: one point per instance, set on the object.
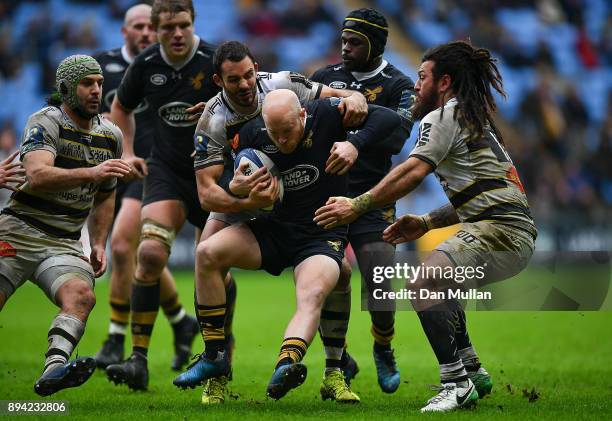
(70, 72)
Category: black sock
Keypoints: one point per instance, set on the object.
(117, 338)
(437, 322)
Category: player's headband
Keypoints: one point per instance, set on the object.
(371, 25)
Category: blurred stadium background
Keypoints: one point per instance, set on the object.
(555, 57)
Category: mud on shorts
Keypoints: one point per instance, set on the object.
(286, 245)
(29, 254)
(503, 249)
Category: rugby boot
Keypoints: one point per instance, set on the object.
(350, 368)
(482, 381)
(203, 369)
(386, 370)
(285, 378)
(452, 396)
(110, 353)
(215, 390)
(334, 387)
(133, 372)
(71, 374)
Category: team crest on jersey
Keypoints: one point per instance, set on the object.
(389, 215)
(196, 81)
(371, 94)
(307, 143)
(423, 137)
(114, 68)
(158, 79)
(338, 85)
(335, 245)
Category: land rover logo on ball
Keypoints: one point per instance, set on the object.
(337, 85)
(158, 79)
(174, 114)
(299, 177)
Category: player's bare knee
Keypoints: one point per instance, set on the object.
(121, 250)
(152, 256)
(76, 297)
(313, 299)
(207, 256)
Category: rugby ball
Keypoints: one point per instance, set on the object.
(255, 160)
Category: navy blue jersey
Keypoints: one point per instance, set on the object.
(114, 63)
(385, 86)
(170, 90)
(307, 185)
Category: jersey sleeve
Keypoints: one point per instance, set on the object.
(402, 99)
(318, 76)
(131, 89)
(304, 88)
(41, 133)
(434, 140)
(209, 141)
(111, 184)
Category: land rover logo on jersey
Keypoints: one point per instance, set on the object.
(337, 84)
(299, 177)
(174, 114)
(114, 68)
(158, 79)
(110, 95)
(270, 149)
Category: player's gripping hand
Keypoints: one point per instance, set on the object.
(355, 110)
(341, 158)
(139, 167)
(241, 185)
(264, 194)
(337, 211)
(110, 168)
(98, 260)
(11, 172)
(196, 111)
(407, 228)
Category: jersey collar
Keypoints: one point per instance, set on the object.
(367, 75)
(181, 64)
(126, 56)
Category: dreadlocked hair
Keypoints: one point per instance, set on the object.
(473, 73)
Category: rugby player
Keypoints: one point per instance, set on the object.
(243, 91)
(363, 68)
(287, 237)
(171, 76)
(71, 158)
(138, 34)
(459, 141)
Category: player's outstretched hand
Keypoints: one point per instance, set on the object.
(407, 228)
(264, 194)
(12, 174)
(341, 158)
(241, 185)
(337, 211)
(98, 260)
(355, 110)
(110, 168)
(139, 167)
(196, 111)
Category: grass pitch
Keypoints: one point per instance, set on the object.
(545, 365)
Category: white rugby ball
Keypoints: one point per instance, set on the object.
(255, 160)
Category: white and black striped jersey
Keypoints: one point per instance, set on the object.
(477, 175)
